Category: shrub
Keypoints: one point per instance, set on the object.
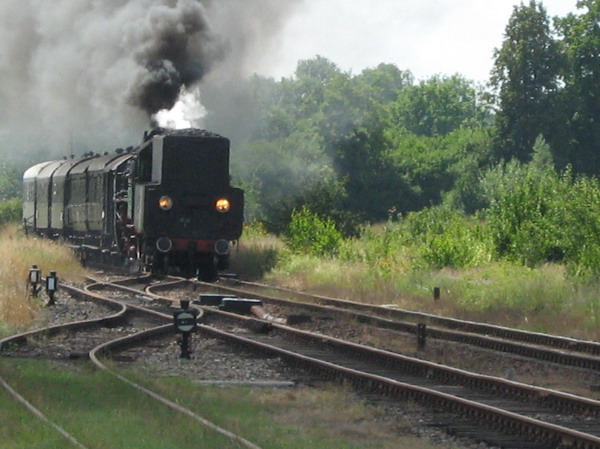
(525, 220)
(435, 238)
(549, 218)
(446, 238)
(10, 211)
(310, 234)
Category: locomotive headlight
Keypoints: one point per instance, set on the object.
(165, 202)
(222, 205)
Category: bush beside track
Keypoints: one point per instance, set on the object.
(400, 262)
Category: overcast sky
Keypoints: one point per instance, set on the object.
(426, 37)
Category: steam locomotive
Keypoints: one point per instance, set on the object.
(164, 206)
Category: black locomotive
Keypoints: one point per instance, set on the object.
(165, 205)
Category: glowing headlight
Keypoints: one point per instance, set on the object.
(165, 202)
(222, 205)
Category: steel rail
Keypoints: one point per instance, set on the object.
(424, 368)
(562, 350)
(451, 375)
(568, 343)
(51, 330)
(37, 413)
(105, 348)
(533, 428)
(129, 340)
(491, 416)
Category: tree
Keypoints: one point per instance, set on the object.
(581, 42)
(542, 160)
(433, 126)
(437, 106)
(312, 78)
(384, 82)
(526, 79)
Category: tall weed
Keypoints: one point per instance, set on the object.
(257, 253)
(19, 253)
(430, 239)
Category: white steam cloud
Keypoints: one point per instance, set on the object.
(80, 75)
(187, 112)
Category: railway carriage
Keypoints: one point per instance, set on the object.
(166, 205)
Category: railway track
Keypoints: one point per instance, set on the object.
(127, 324)
(545, 347)
(542, 416)
(500, 412)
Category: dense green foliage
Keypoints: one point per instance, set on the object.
(462, 175)
(362, 145)
(579, 97)
(10, 194)
(549, 218)
(535, 216)
(312, 234)
(355, 147)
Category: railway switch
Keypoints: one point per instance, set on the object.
(35, 275)
(185, 321)
(51, 287)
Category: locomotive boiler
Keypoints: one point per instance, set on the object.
(164, 206)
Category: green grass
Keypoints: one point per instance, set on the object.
(102, 412)
(543, 299)
(20, 429)
(5, 329)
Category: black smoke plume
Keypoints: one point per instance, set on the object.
(81, 75)
(178, 53)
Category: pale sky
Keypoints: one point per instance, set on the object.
(427, 37)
